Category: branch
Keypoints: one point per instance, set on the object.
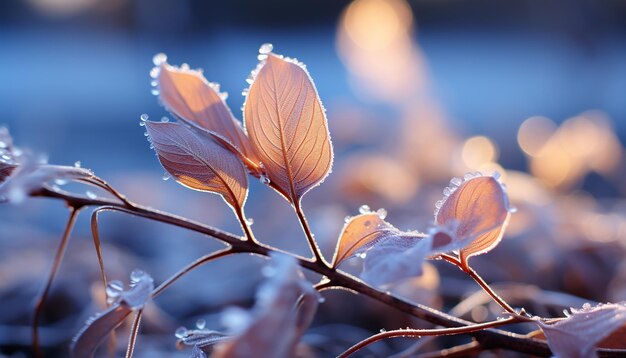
(43, 296)
(474, 275)
(488, 338)
(418, 333)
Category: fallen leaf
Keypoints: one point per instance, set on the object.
(287, 126)
(199, 163)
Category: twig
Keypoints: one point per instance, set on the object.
(133, 334)
(201, 261)
(43, 296)
(309, 235)
(474, 275)
(417, 333)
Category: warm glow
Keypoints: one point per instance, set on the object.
(477, 151)
(374, 25)
(534, 133)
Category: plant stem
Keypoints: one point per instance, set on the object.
(247, 231)
(417, 333)
(58, 258)
(489, 339)
(309, 235)
(474, 275)
(96, 242)
(200, 261)
(133, 334)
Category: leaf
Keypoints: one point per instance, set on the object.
(477, 211)
(8, 162)
(199, 163)
(362, 232)
(276, 323)
(29, 177)
(198, 103)
(394, 259)
(578, 335)
(97, 328)
(287, 126)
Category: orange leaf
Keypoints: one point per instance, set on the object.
(478, 210)
(197, 102)
(199, 163)
(287, 127)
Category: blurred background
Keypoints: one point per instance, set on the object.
(416, 93)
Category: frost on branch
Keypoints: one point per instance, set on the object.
(285, 306)
(97, 328)
(579, 334)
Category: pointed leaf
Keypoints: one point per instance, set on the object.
(478, 211)
(287, 126)
(360, 233)
(198, 103)
(97, 329)
(199, 163)
(578, 335)
(27, 178)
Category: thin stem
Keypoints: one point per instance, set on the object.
(474, 275)
(247, 231)
(96, 241)
(43, 296)
(100, 183)
(309, 235)
(417, 333)
(133, 334)
(200, 261)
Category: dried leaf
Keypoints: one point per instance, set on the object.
(198, 103)
(30, 177)
(276, 322)
(362, 232)
(97, 328)
(199, 163)
(287, 126)
(578, 335)
(394, 259)
(476, 211)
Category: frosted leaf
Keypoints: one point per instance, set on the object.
(579, 334)
(363, 231)
(140, 291)
(395, 259)
(284, 308)
(293, 139)
(199, 104)
(479, 211)
(31, 176)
